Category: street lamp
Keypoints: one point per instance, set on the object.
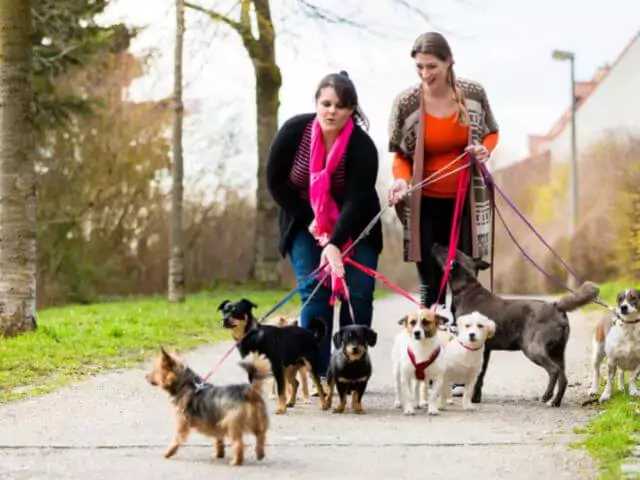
(562, 55)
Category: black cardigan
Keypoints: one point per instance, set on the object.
(360, 203)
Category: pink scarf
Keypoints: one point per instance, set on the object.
(323, 204)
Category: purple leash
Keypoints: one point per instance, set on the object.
(488, 181)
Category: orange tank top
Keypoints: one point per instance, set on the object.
(444, 140)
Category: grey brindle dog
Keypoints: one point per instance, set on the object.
(539, 329)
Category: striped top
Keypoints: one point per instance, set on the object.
(299, 175)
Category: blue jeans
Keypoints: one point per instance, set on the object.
(305, 258)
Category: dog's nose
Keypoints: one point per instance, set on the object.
(624, 308)
(472, 337)
(416, 335)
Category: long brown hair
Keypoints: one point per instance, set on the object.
(433, 43)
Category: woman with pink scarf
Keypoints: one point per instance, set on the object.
(322, 172)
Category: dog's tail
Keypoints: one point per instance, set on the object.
(318, 327)
(587, 294)
(258, 368)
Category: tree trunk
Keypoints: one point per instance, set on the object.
(176, 257)
(268, 82)
(17, 172)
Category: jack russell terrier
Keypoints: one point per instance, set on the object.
(618, 338)
(417, 358)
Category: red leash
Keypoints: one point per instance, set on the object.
(461, 196)
(382, 278)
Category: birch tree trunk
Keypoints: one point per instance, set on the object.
(176, 258)
(17, 173)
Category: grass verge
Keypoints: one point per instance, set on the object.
(609, 435)
(73, 342)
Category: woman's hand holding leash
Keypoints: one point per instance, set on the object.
(398, 190)
(331, 255)
(480, 151)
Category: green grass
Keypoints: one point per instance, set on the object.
(76, 341)
(608, 435)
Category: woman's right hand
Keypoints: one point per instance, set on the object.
(398, 190)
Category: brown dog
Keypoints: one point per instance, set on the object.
(215, 411)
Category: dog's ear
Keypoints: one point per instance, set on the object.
(337, 339)
(481, 264)
(295, 323)
(441, 320)
(223, 305)
(491, 327)
(403, 321)
(167, 359)
(250, 305)
(372, 338)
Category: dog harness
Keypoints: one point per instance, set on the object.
(422, 366)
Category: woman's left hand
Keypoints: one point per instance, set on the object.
(480, 151)
(332, 255)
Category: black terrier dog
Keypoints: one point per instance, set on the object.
(350, 366)
(287, 348)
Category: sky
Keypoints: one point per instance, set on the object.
(505, 45)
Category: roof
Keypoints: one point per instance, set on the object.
(585, 89)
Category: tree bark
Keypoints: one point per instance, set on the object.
(268, 82)
(17, 172)
(176, 257)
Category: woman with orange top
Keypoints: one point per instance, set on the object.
(432, 124)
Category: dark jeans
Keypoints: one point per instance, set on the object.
(305, 257)
(436, 217)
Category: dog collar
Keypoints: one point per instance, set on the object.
(468, 347)
(630, 322)
(422, 366)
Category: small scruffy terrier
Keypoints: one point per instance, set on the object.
(215, 411)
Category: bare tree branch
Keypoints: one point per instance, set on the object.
(245, 20)
(413, 9)
(328, 16)
(218, 17)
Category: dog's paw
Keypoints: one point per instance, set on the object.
(397, 404)
(450, 401)
(605, 396)
(634, 392)
(409, 411)
(337, 410)
(170, 452)
(433, 411)
(280, 411)
(593, 391)
(470, 407)
(423, 404)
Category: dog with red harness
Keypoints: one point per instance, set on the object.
(417, 357)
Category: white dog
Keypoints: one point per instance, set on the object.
(417, 358)
(619, 339)
(463, 355)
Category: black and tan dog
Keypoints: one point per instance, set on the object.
(215, 411)
(350, 366)
(303, 373)
(538, 328)
(287, 348)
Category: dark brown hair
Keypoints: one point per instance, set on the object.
(434, 43)
(346, 92)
